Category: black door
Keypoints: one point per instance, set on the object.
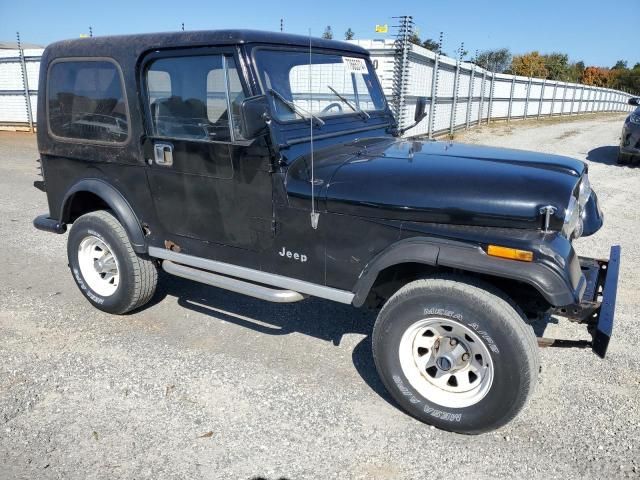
(206, 182)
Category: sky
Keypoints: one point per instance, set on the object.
(597, 32)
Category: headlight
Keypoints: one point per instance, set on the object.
(585, 192)
(571, 218)
(634, 118)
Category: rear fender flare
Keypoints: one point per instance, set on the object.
(117, 203)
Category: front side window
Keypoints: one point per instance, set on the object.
(324, 84)
(85, 101)
(189, 97)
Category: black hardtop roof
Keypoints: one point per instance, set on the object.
(108, 46)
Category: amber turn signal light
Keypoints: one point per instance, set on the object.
(510, 253)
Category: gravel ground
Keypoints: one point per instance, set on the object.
(208, 384)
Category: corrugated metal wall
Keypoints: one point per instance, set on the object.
(13, 108)
(459, 94)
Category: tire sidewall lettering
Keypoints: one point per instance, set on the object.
(76, 236)
(415, 308)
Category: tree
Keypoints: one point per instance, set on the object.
(431, 44)
(415, 39)
(328, 33)
(495, 60)
(575, 71)
(529, 65)
(596, 76)
(620, 65)
(349, 34)
(557, 65)
(627, 79)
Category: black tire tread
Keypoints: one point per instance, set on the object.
(489, 295)
(144, 270)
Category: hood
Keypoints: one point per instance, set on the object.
(440, 182)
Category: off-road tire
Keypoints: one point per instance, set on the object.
(498, 323)
(138, 276)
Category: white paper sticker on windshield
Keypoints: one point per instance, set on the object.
(355, 65)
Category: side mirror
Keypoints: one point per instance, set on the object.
(421, 106)
(254, 112)
(634, 101)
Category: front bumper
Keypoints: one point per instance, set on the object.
(598, 304)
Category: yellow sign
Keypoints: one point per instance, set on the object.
(84, 35)
(382, 28)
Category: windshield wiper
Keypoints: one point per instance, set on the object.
(360, 112)
(296, 109)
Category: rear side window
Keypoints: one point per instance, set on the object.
(86, 101)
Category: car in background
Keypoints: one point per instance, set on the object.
(630, 139)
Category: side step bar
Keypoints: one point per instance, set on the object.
(228, 283)
(249, 277)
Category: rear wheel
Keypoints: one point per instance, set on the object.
(104, 266)
(456, 354)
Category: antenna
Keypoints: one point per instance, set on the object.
(315, 216)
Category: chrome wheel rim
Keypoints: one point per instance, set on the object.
(99, 266)
(446, 362)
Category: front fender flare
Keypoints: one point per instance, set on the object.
(117, 203)
(411, 250)
(552, 285)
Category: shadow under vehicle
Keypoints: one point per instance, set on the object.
(271, 165)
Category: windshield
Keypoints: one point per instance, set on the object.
(329, 85)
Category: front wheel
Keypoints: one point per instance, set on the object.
(456, 354)
(104, 266)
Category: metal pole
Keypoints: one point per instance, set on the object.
(580, 101)
(573, 99)
(492, 88)
(564, 97)
(553, 99)
(544, 84)
(513, 86)
(434, 95)
(600, 95)
(482, 90)
(470, 99)
(454, 105)
(25, 83)
(526, 102)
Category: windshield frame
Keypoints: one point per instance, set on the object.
(305, 49)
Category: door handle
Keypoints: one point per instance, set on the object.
(163, 154)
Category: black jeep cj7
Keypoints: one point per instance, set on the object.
(271, 165)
